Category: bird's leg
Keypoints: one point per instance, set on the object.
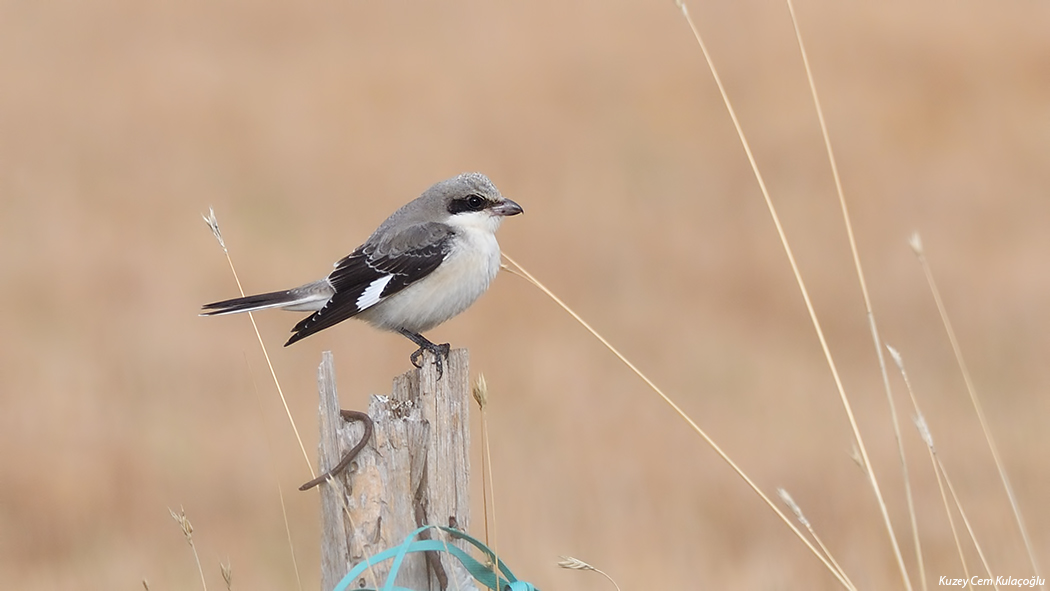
(440, 351)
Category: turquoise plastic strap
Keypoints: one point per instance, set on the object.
(483, 574)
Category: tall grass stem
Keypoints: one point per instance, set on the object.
(805, 296)
(920, 252)
(868, 308)
(521, 272)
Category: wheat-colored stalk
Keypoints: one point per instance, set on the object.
(790, 502)
(480, 392)
(187, 532)
(920, 252)
(520, 271)
(213, 224)
(927, 437)
(276, 476)
(938, 467)
(227, 574)
(805, 295)
(965, 520)
(872, 326)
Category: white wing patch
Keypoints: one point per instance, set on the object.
(370, 296)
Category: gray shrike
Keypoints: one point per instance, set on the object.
(426, 263)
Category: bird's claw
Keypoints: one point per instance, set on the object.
(440, 353)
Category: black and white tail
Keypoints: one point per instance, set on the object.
(308, 298)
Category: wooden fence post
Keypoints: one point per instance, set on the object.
(414, 471)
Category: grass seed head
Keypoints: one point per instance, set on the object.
(481, 391)
(915, 242)
(213, 224)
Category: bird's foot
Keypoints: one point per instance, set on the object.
(440, 356)
(440, 352)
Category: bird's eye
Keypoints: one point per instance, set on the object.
(469, 203)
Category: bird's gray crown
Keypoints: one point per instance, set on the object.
(432, 205)
(457, 188)
(423, 218)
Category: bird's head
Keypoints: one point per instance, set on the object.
(471, 200)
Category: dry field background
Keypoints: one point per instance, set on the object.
(305, 125)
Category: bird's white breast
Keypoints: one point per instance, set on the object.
(462, 277)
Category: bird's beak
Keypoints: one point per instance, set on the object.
(506, 208)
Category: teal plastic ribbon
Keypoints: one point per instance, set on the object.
(481, 573)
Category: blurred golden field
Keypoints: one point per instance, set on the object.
(305, 125)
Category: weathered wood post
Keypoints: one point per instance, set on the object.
(414, 471)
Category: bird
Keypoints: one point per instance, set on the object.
(429, 261)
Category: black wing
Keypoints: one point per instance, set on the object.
(364, 269)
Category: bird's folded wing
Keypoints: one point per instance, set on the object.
(377, 270)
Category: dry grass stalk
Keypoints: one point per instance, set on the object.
(521, 272)
(790, 502)
(276, 477)
(938, 466)
(805, 296)
(854, 455)
(213, 224)
(899, 362)
(480, 392)
(867, 305)
(187, 532)
(917, 248)
(927, 438)
(227, 574)
(576, 564)
(965, 520)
